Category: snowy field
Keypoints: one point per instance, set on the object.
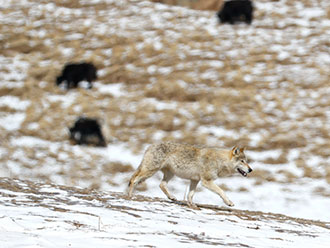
(43, 215)
(167, 73)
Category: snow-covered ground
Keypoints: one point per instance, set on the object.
(42, 215)
(168, 73)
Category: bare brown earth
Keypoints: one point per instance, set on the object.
(255, 90)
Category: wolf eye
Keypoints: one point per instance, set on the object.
(242, 161)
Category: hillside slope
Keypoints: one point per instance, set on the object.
(171, 73)
(47, 215)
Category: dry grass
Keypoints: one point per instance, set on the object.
(226, 99)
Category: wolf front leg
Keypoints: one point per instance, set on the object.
(209, 184)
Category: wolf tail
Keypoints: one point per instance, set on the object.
(132, 180)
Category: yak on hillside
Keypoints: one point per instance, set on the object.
(236, 11)
(72, 74)
(87, 131)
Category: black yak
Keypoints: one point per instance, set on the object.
(72, 74)
(87, 131)
(236, 11)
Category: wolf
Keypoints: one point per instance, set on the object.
(191, 162)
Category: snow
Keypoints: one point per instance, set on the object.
(13, 102)
(30, 142)
(12, 122)
(120, 153)
(65, 218)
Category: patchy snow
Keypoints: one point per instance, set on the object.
(30, 142)
(112, 89)
(218, 131)
(13, 102)
(36, 215)
(12, 122)
(37, 158)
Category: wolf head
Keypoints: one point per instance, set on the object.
(239, 160)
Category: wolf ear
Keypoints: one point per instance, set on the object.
(235, 150)
(242, 149)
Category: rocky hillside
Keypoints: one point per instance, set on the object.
(171, 73)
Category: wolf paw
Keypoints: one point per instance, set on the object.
(172, 198)
(229, 203)
(193, 206)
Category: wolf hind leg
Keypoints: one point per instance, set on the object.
(168, 175)
(192, 189)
